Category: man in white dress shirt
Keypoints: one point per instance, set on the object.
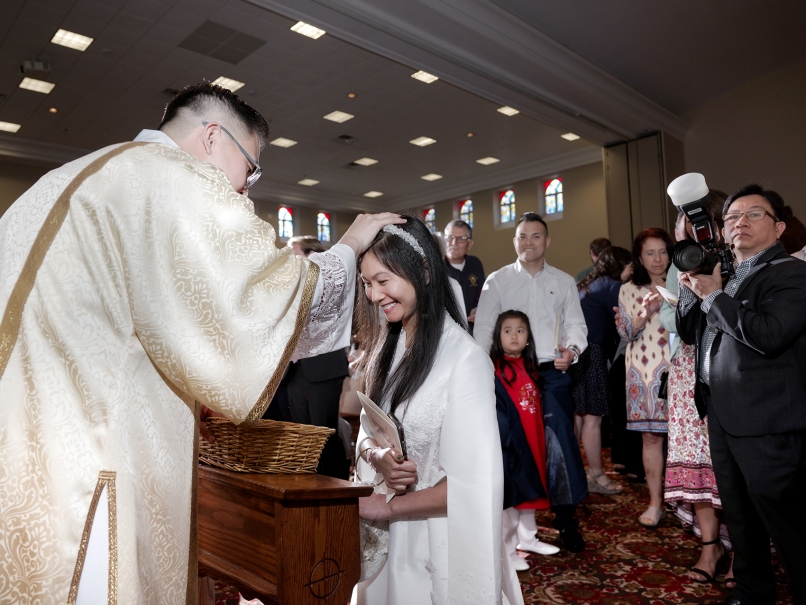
(545, 294)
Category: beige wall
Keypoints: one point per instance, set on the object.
(584, 219)
(16, 179)
(755, 133)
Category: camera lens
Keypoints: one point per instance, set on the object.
(688, 256)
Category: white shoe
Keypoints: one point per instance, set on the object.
(519, 563)
(538, 547)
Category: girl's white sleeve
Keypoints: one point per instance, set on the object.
(470, 454)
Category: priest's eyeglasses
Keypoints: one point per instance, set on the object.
(752, 215)
(255, 173)
(459, 239)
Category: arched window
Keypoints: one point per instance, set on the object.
(506, 206)
(466, 212)
(323, 227)
(285, 222)
(430, 218)
(554, 195)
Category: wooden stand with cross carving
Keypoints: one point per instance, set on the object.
(285, 539)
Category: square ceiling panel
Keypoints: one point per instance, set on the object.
(221, 42)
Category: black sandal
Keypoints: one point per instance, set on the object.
(730, 582)
(708, 577)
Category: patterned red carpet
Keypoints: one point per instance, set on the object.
(623, 564)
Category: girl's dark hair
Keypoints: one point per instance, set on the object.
(610, 263)
(429, 277)
(640, 276)
(529, 354)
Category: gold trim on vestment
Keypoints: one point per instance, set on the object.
(192, 597)
(308, 290)
(106, 479)
(12, 318)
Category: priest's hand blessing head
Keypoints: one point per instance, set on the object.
(365, 227)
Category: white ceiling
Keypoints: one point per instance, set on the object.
(486, 54)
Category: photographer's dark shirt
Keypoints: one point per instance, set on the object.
(687, 299)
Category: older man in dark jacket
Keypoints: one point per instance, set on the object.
(751, 368)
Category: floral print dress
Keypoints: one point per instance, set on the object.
(647, 358)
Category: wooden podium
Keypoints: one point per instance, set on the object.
(285, 539)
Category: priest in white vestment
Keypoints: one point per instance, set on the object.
(128, 297)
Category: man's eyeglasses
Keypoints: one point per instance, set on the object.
(752, 215)
(459, 239)
(255, 173)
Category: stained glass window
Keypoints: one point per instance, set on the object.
(285, 222)
(554, 195)
(323, 227)
(430, 218)
(466, 212)
(507, 206)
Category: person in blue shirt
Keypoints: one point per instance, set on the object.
(598, 293)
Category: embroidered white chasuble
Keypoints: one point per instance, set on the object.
(161, 287)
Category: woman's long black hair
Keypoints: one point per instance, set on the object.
(529, 354)
(429, 278)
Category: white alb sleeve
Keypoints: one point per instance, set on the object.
(330, 320)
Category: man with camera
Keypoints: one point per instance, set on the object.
(750, 332)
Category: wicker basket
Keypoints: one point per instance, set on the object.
(266, 447)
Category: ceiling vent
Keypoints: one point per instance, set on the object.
(221, 42)
(345, 138)
(35, 67)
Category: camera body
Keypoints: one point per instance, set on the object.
(689, 193)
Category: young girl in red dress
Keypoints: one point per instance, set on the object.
(523, 439)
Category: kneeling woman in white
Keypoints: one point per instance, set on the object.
(445, 543)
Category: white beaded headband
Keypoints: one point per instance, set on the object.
(407, 237)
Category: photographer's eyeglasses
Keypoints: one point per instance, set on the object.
(752, 215)
(255, 173)
(459, 239)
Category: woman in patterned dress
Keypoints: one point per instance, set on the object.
(647, 357)
(598, 295)
(690, 482)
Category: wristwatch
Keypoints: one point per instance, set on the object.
(575, 350)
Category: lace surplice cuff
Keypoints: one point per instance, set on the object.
(326, 322)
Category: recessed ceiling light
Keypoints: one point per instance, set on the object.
(366, 162)
(9, 127)
(36, 85)
(307, 30)
(339, 116)
(53, 110)
(228, 83)
(570, 136)
(281, 142)
(487, 161)
(424, 76)
(431, 177)
(470, 134)
(71, 40)
(422, 141)
(373, 194)
(308, 182)
(351, 95)
(508, 111)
